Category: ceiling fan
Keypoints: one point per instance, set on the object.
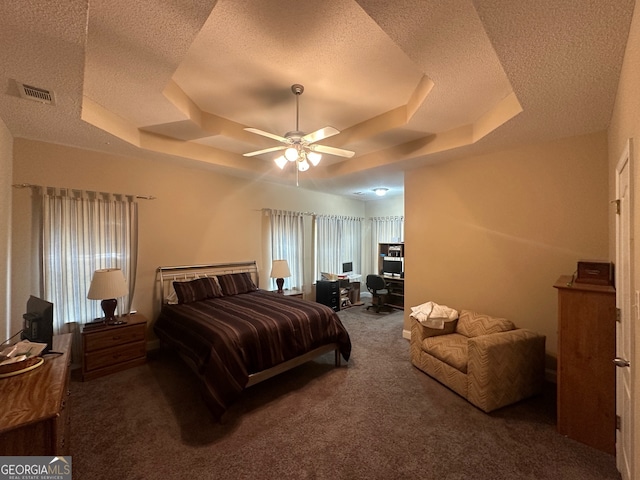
(300, 147)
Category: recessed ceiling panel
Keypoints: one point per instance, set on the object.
(249, 53)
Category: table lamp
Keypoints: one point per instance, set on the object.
(107, 285)
(280, 270)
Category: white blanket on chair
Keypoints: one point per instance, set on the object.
(432, 315)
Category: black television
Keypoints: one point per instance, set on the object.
(38, 322)
(347, 267)
(392, 267)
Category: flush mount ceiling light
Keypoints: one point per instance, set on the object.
(381, 191)
(300, 147)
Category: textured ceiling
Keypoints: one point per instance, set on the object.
(407, 83)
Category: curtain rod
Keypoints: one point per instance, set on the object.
(314, 214)
(301, 213)
(29, 185)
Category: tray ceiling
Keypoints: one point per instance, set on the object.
(407, 83)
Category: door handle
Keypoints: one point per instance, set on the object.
(621, 362)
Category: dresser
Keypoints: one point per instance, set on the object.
(112, 348)
(34, 407)
(586, 374)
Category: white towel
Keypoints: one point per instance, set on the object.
(432, 315)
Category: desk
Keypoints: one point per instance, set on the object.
(350, 294)
(395, 287)
(352, 277)
(338, 294)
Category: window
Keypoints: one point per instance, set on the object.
(338, 240)
(287, 243)
(82, 232)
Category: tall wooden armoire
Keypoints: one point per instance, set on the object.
(586, 373)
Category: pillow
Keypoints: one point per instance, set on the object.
(198, 289)
(235, 283)
(472, 324)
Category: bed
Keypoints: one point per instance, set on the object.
(234, 335)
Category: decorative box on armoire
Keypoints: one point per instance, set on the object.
(328, 293)
(586, 373)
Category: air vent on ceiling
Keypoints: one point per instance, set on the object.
(37, 94)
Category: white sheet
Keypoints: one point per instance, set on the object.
(432, 315)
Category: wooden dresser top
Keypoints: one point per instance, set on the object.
(36, 395)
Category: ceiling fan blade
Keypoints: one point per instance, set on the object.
(334, 151)
(267, 134)
(266, 150)
(321, 134)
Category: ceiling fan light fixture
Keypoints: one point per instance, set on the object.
(281, 162)
(303, 165)
(381, 191)
(291, 154)
(314, 158)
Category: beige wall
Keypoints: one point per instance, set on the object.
(198, 217)
(6, 160)
(493, 233)
(625, 124)
(385, 207)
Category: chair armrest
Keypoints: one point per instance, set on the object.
(505, 367)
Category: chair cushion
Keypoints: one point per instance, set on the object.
(450, 349)
(472, 324)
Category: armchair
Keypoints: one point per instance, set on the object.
(486, 360)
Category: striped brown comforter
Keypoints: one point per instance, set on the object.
(228, 338)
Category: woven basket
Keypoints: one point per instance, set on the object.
(19, 367)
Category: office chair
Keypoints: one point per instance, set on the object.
(378, 288)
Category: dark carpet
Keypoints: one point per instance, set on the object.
(376, 417)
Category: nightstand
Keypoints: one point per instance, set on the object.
(290, 293)
(112, 348)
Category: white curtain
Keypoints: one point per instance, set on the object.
(287, 243)
(385, 230)
(338, 240)
(82, 232)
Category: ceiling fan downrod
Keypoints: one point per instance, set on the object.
(297, 89)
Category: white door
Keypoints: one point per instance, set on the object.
(624, 325)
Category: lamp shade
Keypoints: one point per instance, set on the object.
(280, 269)
(107, 283)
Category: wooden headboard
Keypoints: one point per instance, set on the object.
(168, 275)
